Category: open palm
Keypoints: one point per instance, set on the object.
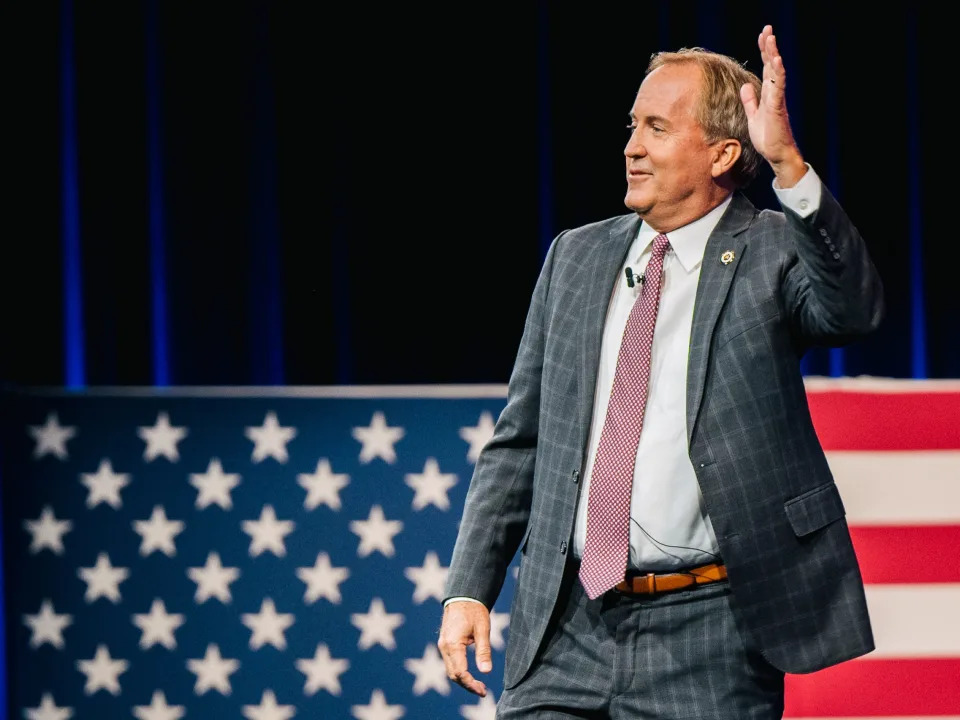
(767, 118)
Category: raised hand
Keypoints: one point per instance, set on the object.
(767, 117)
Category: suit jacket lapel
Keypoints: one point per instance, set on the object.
(603, 273)
(712, 288)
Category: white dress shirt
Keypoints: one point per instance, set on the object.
(666, 499)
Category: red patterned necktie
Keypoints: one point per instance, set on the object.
(605, 552)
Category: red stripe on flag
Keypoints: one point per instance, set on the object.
(873, 688)
(908, 554)
(886, 421)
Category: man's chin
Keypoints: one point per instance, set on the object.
(641, 206)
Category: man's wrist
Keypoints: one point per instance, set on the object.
(789, 171)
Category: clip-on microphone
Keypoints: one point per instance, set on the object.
(633, 279)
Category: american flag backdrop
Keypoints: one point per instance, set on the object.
(278, 553)
(894, 449)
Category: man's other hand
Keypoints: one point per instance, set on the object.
(465, 623)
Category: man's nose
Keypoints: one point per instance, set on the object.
(634, 148)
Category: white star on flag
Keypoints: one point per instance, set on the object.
(377, 709)
(47, 626)
(48, 710)
(376, 626)
(161, 439)
(430, 672)
(478, 436)
(158, 533)
(268, 709)
(267, 533)
(322, 671)
(213, 580)
(486, 709)
(498, 622)
(158, 626)
(378, 439)
(105, 485)
(47, 532)
(323, 580)
(214, 486)
(103, 580)
(431, 486)
(268, 626)
(213, 671)
(158, 709)
(51, 439)
(429, 579)
(376, 533)
(270, 439)
(102, 672)
(323, 486)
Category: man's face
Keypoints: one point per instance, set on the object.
(669, 181)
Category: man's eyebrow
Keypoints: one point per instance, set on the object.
(648, 119)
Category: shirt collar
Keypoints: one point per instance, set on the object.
(688, 242)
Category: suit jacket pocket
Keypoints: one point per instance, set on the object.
(815, 508)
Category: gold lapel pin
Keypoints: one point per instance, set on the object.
(727, 257)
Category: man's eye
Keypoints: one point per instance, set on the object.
(631, 127)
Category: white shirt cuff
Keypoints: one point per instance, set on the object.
(804, 197)
(457, 599)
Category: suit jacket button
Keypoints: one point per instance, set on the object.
(576, 476)
(563, 547)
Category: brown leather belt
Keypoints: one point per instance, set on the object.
(652, 583)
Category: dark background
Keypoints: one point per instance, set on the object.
(271, 193)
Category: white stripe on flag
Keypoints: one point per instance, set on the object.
(911, 621)
(916, 487)
(869, 384)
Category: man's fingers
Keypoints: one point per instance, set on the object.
(454, 656)
(779, 73)
(468, 682)
(481, 638)
(770, 46)
(762, 42)
(455, 659)
(775, 83)
(772, 50)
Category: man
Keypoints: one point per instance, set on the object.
(683, 542)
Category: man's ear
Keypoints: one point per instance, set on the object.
(725, 155)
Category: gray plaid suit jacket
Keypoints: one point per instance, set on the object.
(776, 510)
